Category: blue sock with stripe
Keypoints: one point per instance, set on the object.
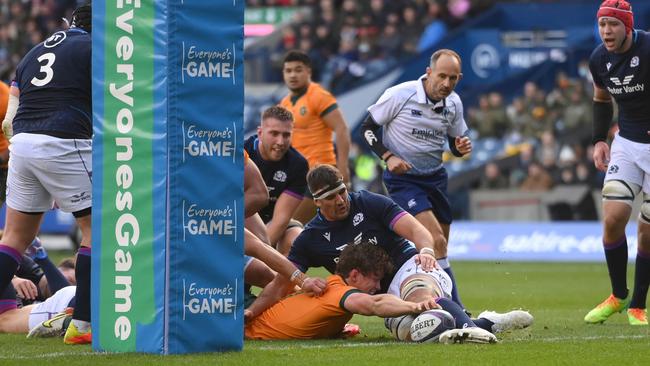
(82, 273)
(9, 260)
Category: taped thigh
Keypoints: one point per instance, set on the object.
(644, 212)
(621, 191)
(418, 284)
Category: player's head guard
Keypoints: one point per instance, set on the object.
(82, 17)
(619, 9)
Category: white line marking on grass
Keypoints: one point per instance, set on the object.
(51, 355)
(587, 338)
(396, 343)
(337, 345)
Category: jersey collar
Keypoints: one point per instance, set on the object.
(424, 99)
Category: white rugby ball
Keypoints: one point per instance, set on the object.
(428, 326)
(400, 327)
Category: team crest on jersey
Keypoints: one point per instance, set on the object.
(54, 39)
(357, 219)
(634, 62)
(327, 236)
(280, 176)
(613, 169)
(303, 110)
(608, 65)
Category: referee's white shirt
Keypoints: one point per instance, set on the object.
(412, 127)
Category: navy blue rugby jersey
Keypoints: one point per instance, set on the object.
(54, 80)
(371, 218)
(625, 76)
(285, 176)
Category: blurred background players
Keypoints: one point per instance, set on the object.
(49, 115)
(622, 59)
(283, 169)
(316, 116)
(418, 118)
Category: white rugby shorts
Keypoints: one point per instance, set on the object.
(44, 170)
(52, 306)
(629, 162)
(410, 268)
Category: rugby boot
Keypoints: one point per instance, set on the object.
(605, 309)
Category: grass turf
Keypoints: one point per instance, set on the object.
(557, 294)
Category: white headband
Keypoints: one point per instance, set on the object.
(319, 196)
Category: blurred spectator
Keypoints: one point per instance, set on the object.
(491, 119)
(538, 178)
(493, 178)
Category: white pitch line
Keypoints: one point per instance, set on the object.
(395, 343)
(339, 345)
(52, 355)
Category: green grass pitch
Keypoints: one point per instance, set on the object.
(557, 294)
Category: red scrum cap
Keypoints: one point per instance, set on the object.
(619, 9)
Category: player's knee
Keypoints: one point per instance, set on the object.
(620, 191)
(644, 212)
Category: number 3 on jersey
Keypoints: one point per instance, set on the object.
(46, 60)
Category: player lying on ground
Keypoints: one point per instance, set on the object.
(45, 318)
(351, 290)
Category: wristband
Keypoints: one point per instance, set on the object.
(427, 250)
(390, 155)
(298, 278)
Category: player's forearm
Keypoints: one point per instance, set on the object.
(343, 150)
(369, 130)
(275, 228)
(270, 295)
(272, 258)
(386, 305)
(255, 201)
(602, 115)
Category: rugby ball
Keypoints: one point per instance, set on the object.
(428, 326)
(400, 327)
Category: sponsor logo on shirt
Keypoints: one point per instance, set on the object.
(634, 62)
(327, 236)
(416, 113)
(624, 85)
(426, 134)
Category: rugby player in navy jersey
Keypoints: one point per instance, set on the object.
(419, 118)
(348, 218)
(50, 117)
(283, 169)
(620, 67)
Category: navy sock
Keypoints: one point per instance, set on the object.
(462, 320)
(8, 298)
(55, 279)
(9, 260)
(616, 256)
(641, 280)
(483, 323)
(82, 273)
